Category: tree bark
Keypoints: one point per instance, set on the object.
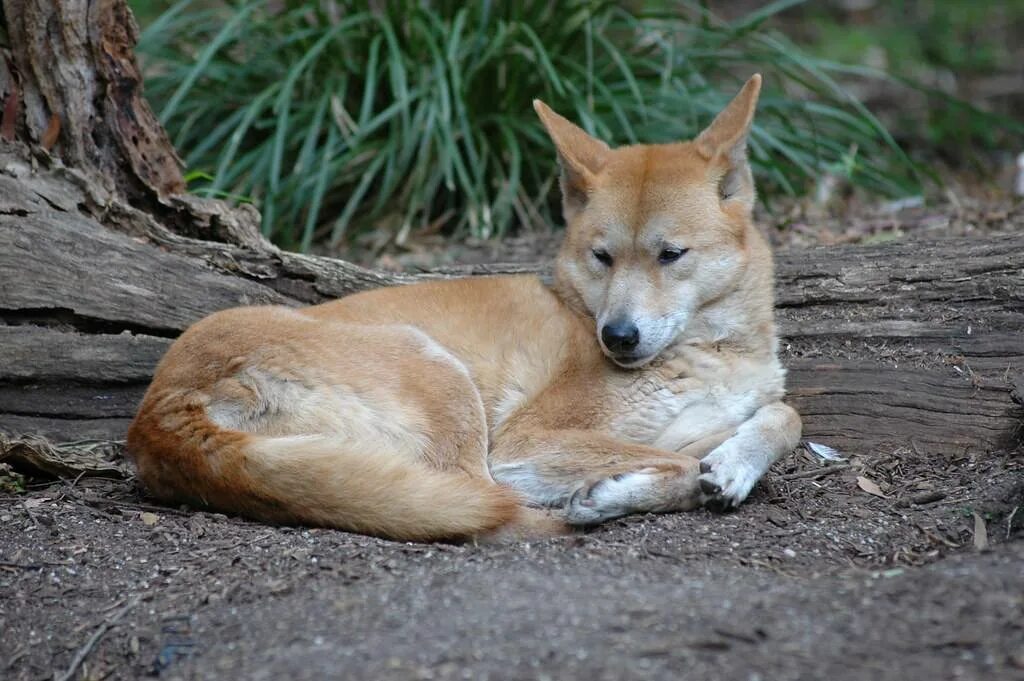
(103, 262)
(80, 93)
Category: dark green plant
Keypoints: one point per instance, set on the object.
(342, 116)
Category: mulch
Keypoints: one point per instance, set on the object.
(102, 582)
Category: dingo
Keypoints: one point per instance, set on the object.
(644, 379)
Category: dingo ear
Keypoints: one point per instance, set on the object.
(724, 144)
(580, 155)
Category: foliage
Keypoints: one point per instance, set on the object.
(406, 114)
(953, 46)
(11, 482)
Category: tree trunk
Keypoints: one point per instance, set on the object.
(103, 262)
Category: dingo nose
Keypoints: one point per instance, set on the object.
(620, 337)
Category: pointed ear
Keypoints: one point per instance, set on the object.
(580, 155)
(724, 144)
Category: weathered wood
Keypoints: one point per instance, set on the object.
(67, 385)
(63, 259)
(36, 453)
(64, 430)
(40, 354)
(887, 346)
(67, 401)
(858, 407)
(907, 344)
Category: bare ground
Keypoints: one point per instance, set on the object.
(814, 578)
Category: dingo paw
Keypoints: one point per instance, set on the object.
(726, 479)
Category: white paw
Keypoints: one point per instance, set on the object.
(612, 497)
(727, 476)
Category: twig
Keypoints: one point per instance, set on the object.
(236, 545)
(816, 473)
(921, 499)
(1009, 521)
(100, 502)
(84, 651)
(32, 566)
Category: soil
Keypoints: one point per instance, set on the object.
(829, 571)
(889, 564)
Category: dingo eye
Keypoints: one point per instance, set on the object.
(668, 255)
(603, 257)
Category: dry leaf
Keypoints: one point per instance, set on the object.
(870, 487)
(29, 504)
(980, 533)
(52, 132)
(150, 518)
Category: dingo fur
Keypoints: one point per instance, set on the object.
(644, 379)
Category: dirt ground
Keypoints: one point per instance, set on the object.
(817, 576)
(890, 564)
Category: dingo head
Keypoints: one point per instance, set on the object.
(654, 232)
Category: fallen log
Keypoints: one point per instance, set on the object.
(902, 344)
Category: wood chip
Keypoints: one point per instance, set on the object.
(52, 133)
(816, 472)
(980, 533)
(870, 487)
(776, 518)
(921, 498)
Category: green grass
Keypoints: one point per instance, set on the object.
(334, 118)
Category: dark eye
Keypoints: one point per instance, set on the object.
(603, 257)
(668, 255)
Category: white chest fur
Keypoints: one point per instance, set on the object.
(693, 394)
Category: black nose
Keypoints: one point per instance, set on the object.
(620, 337)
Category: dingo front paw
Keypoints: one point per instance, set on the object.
(726, 479)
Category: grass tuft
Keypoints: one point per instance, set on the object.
(343, 116)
